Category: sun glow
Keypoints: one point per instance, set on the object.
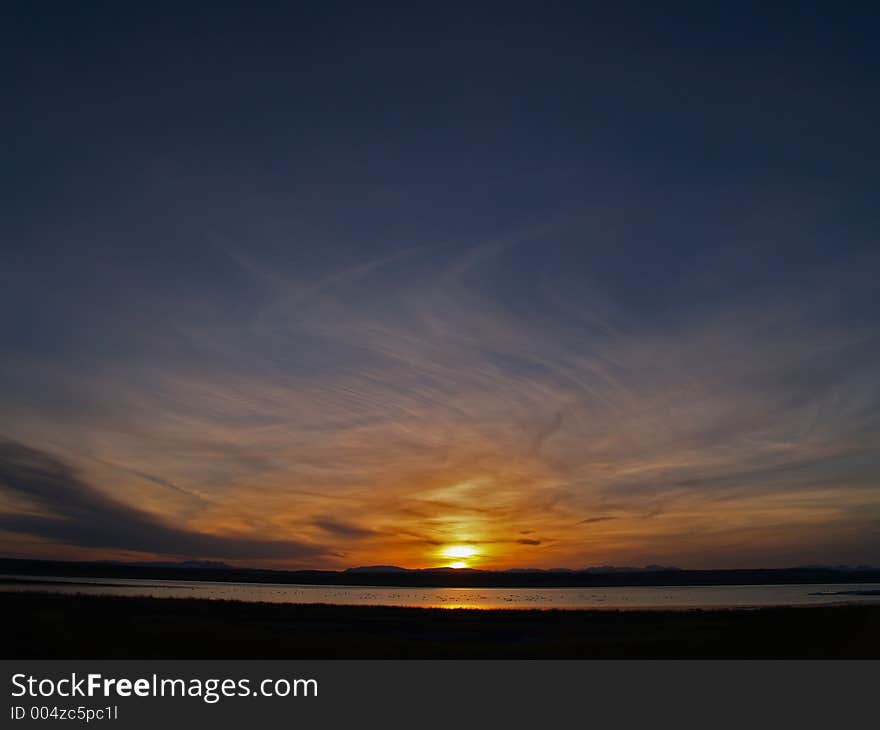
(458, 555)
(459, 551)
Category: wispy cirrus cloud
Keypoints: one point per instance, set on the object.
(69, 511)
(421, 406)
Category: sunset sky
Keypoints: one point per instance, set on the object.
(522, 286)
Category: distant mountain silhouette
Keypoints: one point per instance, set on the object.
(379, 575)
(376, 569)
(217, 565)
(398, 569)
(446, 568)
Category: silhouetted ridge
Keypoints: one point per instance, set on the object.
(447, 577)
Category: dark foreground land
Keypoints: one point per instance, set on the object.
(42, 625)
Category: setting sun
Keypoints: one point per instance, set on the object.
(459, 551)
(458, 555)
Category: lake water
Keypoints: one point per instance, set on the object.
(617, 597)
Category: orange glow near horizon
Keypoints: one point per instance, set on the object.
(459, 554)
(459, 551)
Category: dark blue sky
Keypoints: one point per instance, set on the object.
(344, 259)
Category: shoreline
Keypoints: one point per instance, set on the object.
(60, 626)
(484, 598)
(873, 601)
